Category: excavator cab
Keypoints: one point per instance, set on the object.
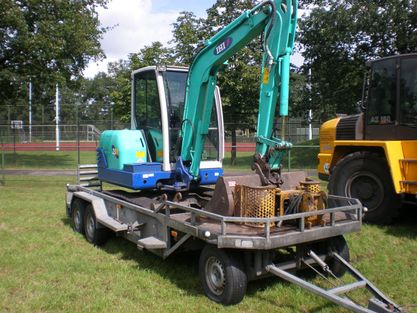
(391, 98)
(148, 155)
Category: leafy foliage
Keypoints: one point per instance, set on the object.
(50, 41)
(338, 37)
(188, 33)
(120, 71)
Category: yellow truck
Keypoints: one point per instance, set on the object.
(372, 156)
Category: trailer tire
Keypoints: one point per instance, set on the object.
(339, 245)
(77, 215)
(366, 176)
(93, 234)
(222, 275)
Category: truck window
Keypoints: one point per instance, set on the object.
(382, 93)
(408, 92)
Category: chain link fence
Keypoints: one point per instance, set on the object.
(46, 145)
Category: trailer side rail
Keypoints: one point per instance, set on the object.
(352, 208)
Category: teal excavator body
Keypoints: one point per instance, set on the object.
(181, 161)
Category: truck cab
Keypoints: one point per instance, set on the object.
(372, 156)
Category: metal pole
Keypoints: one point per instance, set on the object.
(111, 117)
(78, 134)
(3, 181)
(8, 123)
(310, 112)
(30, 110)
(57, 117)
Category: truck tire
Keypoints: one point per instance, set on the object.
(93, 234)
(366, 176)
(77, 215)
(222, 275)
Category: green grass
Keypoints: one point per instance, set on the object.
(47, 159)
(301, 158)
(46, 267)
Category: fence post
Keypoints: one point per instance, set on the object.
(3, 181)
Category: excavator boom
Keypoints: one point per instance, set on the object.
(277, 21)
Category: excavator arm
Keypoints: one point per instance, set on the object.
(277, 21)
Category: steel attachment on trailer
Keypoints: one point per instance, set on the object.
(337, 295)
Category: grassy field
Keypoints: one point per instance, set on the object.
(46, 267)
(301, 158)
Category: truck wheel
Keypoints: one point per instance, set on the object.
(94, 235)
(366, 176)
(77, 215)
(339, 245)
(222, 275)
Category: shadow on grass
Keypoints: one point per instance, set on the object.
(302, 157)
(242, 161)
(405, 225)
(181, 269)
(39, 160)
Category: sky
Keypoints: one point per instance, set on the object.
(137, 23)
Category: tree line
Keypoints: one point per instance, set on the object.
(49, 42)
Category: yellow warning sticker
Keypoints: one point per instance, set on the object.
(266, 76)
(140, 154)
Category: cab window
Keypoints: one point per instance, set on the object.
(408, 92)
(382, 93)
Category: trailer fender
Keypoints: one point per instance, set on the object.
(100, 212)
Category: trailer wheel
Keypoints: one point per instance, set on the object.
(339, 245)
(222, 275)
(366, 176)
(93, 234)
(77, 215)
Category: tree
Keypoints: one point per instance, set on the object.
(239, 83)
(338, 37)
(46, 41)
(96, 102)
(120, 71)
(188, 33)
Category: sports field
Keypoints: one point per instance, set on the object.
(46, 267)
